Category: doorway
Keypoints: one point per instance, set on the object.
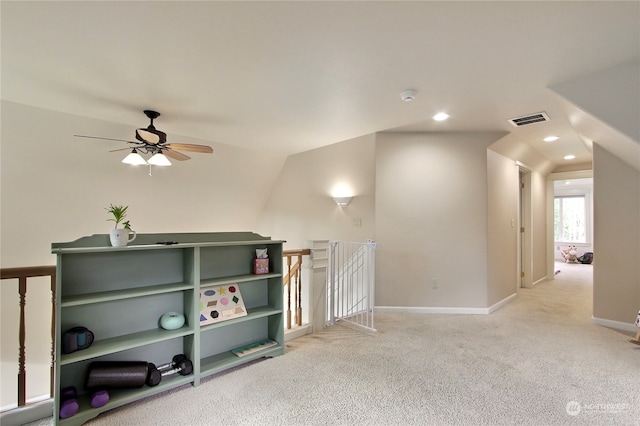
(570, 186)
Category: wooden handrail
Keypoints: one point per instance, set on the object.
(27, 271)
(295, 274)
(291, 273)
(296, 252)
(22, 274)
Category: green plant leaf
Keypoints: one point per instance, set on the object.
(118, 212)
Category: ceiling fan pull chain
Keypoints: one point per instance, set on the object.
(150, 170)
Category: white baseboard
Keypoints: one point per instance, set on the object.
(294, 333)
(619, 325)
(445, 310)
(501, 303)
(541, 280)
(27, 414)
(430, 310)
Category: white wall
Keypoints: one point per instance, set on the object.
(502, 231)
(54, 188)
(431, 219)
(430, 190)
(539, 243)
(301, 207)
(616, 271)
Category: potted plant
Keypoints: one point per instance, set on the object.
(120, 237)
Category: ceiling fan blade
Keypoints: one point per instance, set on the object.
(175, 154)
(121, 149)
(147, 136)
(190, 147)
(106, 139)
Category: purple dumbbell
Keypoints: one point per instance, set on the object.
(68, 402)
(99, 398)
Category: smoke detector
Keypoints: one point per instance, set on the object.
(408, 95)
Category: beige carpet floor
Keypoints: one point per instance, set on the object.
(537, 361)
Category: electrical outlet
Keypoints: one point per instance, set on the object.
(357, 221)
(434, 283)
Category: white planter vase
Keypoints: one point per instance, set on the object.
(121, 237)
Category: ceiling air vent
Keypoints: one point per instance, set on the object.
(529, 119)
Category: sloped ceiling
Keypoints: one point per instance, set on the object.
(612, 98)
(292, 76)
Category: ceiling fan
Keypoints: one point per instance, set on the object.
(152, 141)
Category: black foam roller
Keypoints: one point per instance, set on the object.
(116, 374)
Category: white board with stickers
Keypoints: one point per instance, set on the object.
(221, 303)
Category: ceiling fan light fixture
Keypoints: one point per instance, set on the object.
(159, 159)
(134, 158)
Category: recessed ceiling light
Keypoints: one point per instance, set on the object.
(441, 116)
(569, 157)
(550, 139)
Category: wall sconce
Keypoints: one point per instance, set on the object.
(342, 201)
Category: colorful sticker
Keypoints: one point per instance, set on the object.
(218, 297)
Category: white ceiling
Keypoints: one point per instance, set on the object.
(292, 76)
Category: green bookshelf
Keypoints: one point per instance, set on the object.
(120, 293)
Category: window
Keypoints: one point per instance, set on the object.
(570, 219)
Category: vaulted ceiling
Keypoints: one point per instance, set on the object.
(292, 76)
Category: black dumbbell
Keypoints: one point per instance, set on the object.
(154, 374)
(177, 359)
(180, 363)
